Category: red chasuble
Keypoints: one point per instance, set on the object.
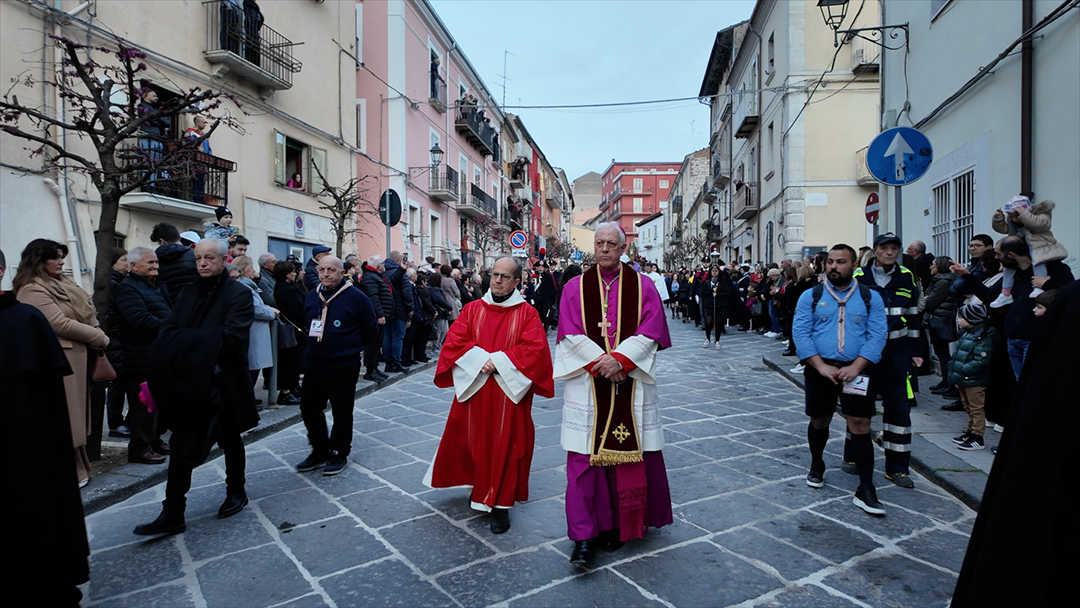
(488, 441)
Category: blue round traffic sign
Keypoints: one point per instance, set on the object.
(899, 156)
(519, 239)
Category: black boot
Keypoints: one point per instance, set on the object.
(610, 540)
(168, 522)
(500, 520)
(584, 550)
(234, 502)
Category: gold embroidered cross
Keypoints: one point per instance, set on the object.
(621, 433)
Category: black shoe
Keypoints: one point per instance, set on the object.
(952, 393)
(121, 431)
(370, 377)
(866, 499)
(335, 465)
(583, 553)
(395, 368)
(161, 447)
(315, 460)
(166, 523)
(610, 540)
(408, 363)
(816, 477)
(788, 353)
(939, 388)
(424, 359)
(287, 399)
(500, 520)
(234, 503)
(955, 406)
(258, 402)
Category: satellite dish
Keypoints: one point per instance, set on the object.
(390, 208)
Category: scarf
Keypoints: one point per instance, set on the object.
(65, 290)
(842, 305)
(326, 304)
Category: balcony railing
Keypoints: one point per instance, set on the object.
(195, 182)
(438, 92)
(746, 115)
(721, 170)
(443, 183)
(514, 217)
(865, 56)
(746, 202)
(478, 203)
(240, 42)
(708, 192)
(518, 170)
(472, 124)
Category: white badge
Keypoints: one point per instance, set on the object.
(316, 329)
(857, 386)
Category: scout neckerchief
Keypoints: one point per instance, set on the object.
(326, 304)
(841, 304)
(614, 434)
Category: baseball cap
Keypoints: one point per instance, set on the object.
(888, 237)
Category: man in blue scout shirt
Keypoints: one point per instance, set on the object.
(839, 331)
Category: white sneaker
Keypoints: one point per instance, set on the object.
(1002, 300)
(718, 345)
(1035, 292)
(999, 428)
(786, 342)
(706, 344)
(771, 334)
(798, 369)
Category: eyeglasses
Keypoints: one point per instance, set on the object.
(502, 277)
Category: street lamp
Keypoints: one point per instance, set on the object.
(833, 12)
(436, 155)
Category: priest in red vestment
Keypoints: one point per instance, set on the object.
(496, 357)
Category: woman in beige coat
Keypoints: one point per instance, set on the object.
(40, 282)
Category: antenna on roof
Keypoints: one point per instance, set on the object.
(504, 76)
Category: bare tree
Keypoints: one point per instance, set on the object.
(101, 104)
(557, 248)
(347, 204)
(489, 237)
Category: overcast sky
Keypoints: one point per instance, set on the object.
(597, 51)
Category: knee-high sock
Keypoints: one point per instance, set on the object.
(862, 454)
(817, 438)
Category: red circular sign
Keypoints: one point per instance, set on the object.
(873, 208)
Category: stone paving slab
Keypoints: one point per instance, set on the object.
(747, 530)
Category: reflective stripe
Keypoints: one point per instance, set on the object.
(903, 333)
(898, 430)
(910, 392)
(914, 310)
(895, 311)
(896, 447)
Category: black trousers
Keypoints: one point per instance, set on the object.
(372, 343)
(421, 336)
(191, 444)
(338, 386)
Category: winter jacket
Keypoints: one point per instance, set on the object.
(403, 296)
(260, 349)
(141, 308)
(438, 300)
(940, 301)
(176, 267)
(425, 310)
(267, 285)
(378, 291)
(290, 301)
(708, 302)
(970, 364)
(1033, 225)
(311, 274)
(217, 231)
(452, 295)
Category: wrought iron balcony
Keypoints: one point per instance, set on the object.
(438, 92)
(443, 183)
(478, 203)
(184, 182)
(746, 202)
(243, 44)
(471, 124)
(721, 170)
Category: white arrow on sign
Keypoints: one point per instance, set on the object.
(897, 149)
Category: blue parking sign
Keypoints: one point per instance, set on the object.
(899, 156)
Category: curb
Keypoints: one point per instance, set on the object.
(124, 482)
(941, 467)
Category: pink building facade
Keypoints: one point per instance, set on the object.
(415, 92)
(631, 192)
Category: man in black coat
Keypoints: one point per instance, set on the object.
(199, 379)
(176, 262)
(394, 335)
(142, 305)
(377, 290)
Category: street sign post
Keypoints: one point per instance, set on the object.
(873, 208)
(519, 241)
(897, 157)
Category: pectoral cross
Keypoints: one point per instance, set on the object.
(604, 324)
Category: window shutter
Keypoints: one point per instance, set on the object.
(279, 157)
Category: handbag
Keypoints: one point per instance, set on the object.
(943, 329)
(757, 308)
(102, 370)
(287, 335)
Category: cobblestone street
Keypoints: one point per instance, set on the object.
(747, 530)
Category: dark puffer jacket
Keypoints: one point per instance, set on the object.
(940, 301)
(378, 291)
(403, 296)
(176, 267)
(970, 364)
(141, 309)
